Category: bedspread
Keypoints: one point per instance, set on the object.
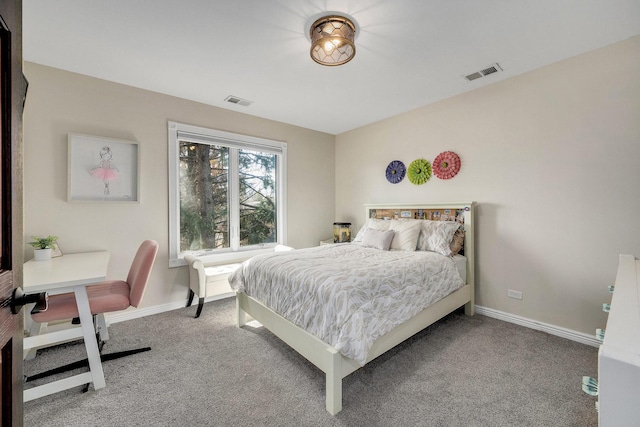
(345, 294)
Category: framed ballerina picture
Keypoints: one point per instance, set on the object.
(102, 169)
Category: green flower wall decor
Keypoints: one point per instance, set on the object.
(419, 171)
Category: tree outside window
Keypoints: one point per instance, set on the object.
(227, 191)
(257, 198)
(204, 200)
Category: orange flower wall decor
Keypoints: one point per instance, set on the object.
(446, 165)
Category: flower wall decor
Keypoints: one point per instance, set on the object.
(419, 171)
(395, 171)
(446, 165)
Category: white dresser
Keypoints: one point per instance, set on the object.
(618, 381)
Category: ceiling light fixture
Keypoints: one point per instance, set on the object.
(332, 40)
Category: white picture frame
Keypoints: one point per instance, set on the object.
(102, 169)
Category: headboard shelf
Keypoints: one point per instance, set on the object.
(417, 213)
(458, 211)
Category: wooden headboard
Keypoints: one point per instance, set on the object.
(462, 212)
(439, 214)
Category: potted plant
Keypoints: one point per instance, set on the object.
(42, 247)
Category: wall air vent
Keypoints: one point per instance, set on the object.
(493, 68)
(237, 100)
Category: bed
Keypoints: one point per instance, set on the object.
(406, 289)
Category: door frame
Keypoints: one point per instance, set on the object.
(13, 90)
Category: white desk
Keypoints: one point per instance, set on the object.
(68, 273)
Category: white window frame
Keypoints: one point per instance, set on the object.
(182, 132)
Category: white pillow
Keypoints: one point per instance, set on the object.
(376, 224)
(406, 234)
(436, 236)
(377, 239)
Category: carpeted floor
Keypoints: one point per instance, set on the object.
(461, 371)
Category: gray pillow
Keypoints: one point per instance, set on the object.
(378, 239)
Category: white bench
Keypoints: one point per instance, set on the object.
(207, 279)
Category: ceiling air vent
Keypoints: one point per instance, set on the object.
(237, 100)
(473, 76)
(493, 68)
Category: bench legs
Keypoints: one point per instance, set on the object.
(200, 303)
(190, 298)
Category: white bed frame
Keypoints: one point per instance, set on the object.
(328, 359)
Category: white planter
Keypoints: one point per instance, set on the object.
(42, 254)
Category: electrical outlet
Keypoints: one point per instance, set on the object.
(514, 294)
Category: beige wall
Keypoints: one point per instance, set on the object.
(553, 159)
(60, 102)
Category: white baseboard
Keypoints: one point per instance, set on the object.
(489, 312)
(540, 326)
(157, 309)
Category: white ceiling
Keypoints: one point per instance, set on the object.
(409, 53)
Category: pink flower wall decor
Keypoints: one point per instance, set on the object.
(446, 165)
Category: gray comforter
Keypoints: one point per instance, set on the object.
(345, 294)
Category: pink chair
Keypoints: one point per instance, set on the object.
(105, 297)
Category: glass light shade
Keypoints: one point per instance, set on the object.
(332, 40)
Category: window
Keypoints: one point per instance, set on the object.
(226, 193)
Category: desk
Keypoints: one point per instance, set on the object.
(68, 273)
